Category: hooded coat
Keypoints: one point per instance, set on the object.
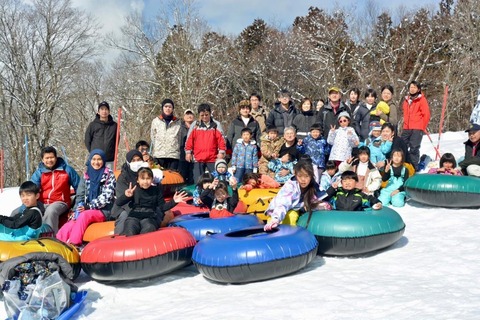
(102, 135)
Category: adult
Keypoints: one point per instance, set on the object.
(319, 104)
(185, 168)
(101, 133)
(205, 143)
(362, 115)
(144, 148)
(54, 177)
(386, 95)
(242, 121)
(305, 118)
(283, 113)
(165, 137)
(353, 101)
(471, 164)
(388, 133)
(416, 116)
(327, 117)
(290, 143)
(258, 112)
(128, 176)
(94, 199)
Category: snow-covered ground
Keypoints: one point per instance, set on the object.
(432, 272)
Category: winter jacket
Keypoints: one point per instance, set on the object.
(106, 194)
(384, 108)
(416, 113)
(303, 121)
(446, 172)
(235, 131)
(277, 166)
(31, 217)
(327, 117)
(326, 180)
(230, 203)
(268, 147)
(350, 200)
(398, 178)
(260, 115)
(165, 138)
(205, 142)
(55, 183)
(317, 149)
(245, 155)
(362, 121)
(342, 140)
(379, 149)
(102, 135)
(472, 156)
(373, 178)
(183, 138)
(280, 117)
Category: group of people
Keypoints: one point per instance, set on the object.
(344, 155)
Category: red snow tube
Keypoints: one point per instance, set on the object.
(121, 258)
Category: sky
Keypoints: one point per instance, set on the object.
(430, 273)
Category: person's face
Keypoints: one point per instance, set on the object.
(370, 100)
(386, 95)
(315, 134)
(412, 89)
(334, 96)
(136, 158)
(448, 165)
(289, 135)
(474, 136)
(252, 182)
(353, 97)
(272, 135)
(343, 122)
(245, 111)
(220, 195)
(331, 172)
(348, 183)
(143, 149)
(363, 157)
(284, 99)
(96, 162)
(168, 109)
(49, 160)
(29, 199)
(376, 133)
(319, 105)
(205, 116)
(246, 136)
(387, 133)
(221, 170)
(303, 178)
(188, 117)
(254, 102)
(307, 106)
(103, 112)
(144, 180)
(397, 158)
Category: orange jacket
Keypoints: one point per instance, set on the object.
(416, 113)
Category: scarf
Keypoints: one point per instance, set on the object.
(94, 175)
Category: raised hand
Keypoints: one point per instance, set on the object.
(130, 190)
(332, 127)
(388, 165)
(180, 197)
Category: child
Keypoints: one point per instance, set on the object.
(348, 197)
(297, 196)
(447, 166)
(369, 178)
(146, 204)
(317, 148)
(329, 176)
(245, 155)
(258, 181)
(379, 148)
(27, 221)
(270, 147)
(342, 140)
(205, 181)
(396, 174)
(221, 170)
(222, 204)
(282, 168)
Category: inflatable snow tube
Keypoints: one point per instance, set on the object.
(257, 200)
(99, 230)
(200, 224)
(121, 258)
(25, 233)
(252, 254)
(442, 190)
(19, 248)
(344, 233)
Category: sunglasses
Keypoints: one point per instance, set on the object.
(342, 120)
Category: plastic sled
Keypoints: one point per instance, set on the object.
(77, 304)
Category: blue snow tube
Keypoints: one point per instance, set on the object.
(25, 233)
(252, 254)
(199, 224)
(343, 233)
(441, 190)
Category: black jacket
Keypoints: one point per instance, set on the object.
(327, 117)
(208, 198)
(235, 131)
(102, 135)
(31, 217)
(470, 156)
(281, 118)
(350, 200)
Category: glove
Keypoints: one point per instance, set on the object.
(271, 224)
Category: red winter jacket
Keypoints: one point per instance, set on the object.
(416, 113)
(205, 143)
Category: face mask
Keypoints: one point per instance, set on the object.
(135, 166)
